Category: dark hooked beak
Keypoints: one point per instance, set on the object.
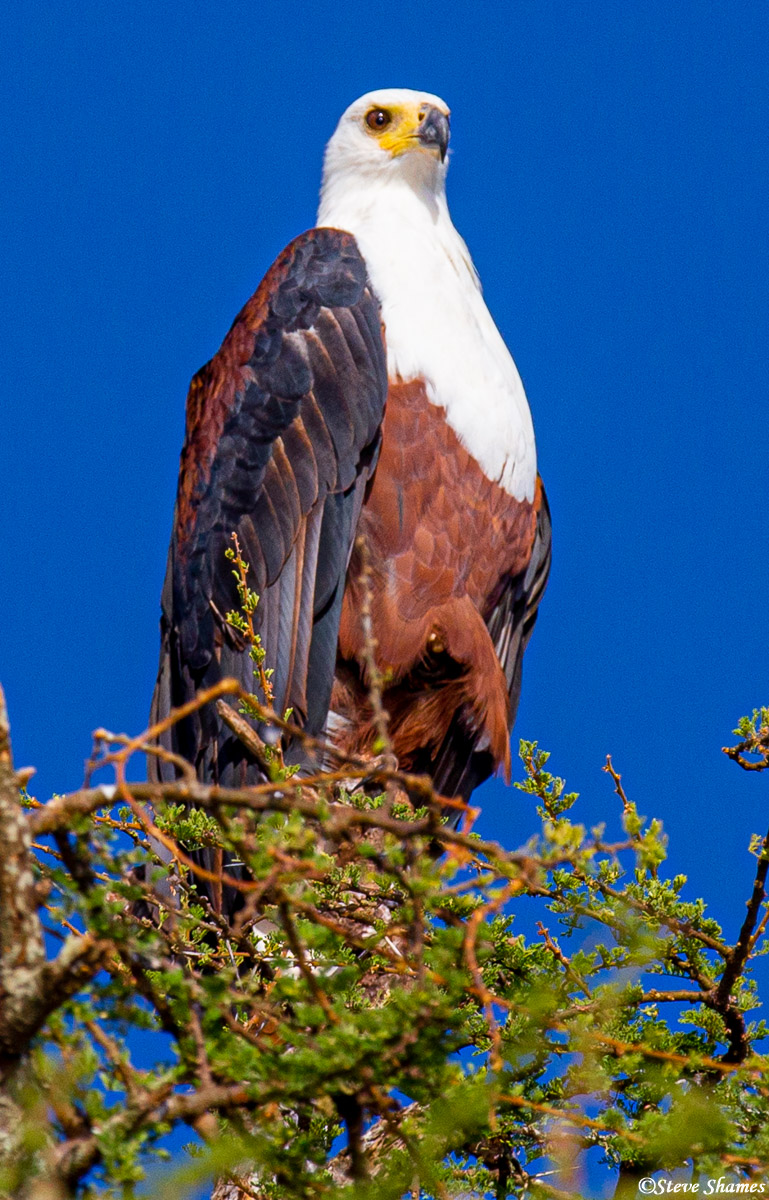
(434, 131)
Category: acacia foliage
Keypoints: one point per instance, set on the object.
(376, 1022)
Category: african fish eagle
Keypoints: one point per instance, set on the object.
(364, 389)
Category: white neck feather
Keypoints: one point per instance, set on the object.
(436, 322)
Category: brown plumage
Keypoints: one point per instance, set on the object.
(445, 543)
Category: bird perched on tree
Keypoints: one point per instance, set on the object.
(363, 390)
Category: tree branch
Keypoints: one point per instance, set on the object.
(22, 950)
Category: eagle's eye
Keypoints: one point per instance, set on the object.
(378, 119)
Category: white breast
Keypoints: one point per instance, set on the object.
(437, 325)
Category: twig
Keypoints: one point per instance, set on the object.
(486, 997)
(225, 687)
(617, 779)
(693, 1062)
(682, 996)
(252, 637)
(560, 957)
(106, 737)
(370, 645)
(757, 743)
(127, 1075)
(245, 733)
(297, 949)
(574, 1118)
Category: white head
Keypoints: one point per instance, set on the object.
(384, 181)
(393, 134)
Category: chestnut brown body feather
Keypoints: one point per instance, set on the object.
(445, 544)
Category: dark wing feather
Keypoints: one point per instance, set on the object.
(460, 768)
(283, 432)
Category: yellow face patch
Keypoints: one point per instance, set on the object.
(396, 128)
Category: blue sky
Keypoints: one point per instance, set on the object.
(610, 175)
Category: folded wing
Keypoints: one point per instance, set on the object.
(283, 433)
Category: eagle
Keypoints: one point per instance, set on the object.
(363, 402)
